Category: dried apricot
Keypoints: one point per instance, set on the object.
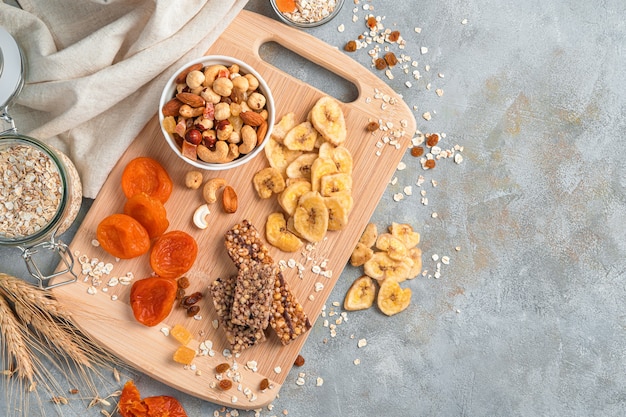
(144, 174)
(286, 6)
(148, 211)
(164, 405)
(122, 236)
(152, 299)
(173, 254)
(130, 404)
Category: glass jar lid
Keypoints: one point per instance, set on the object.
(11, 69)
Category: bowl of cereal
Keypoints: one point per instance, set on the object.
(216, 112)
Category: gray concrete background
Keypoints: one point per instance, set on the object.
(528, 319)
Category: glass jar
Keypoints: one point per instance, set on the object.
(40, 190)
(315, 13)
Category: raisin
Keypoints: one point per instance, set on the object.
(417, 151)
(371, 22)
(390, 59)
(372, 126)
(265, 384)
(183, 282)
(430, 163)
(180, 294)
(432, 140)
(299, 361)
(190, 300)
(192, 311)
(394, 36)
(350, 46)
(225, 384)
(222, 367)
(380, 64)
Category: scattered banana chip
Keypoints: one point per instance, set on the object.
(405, 233)
(301, 138)
(392, 298)
(361, 294)
(290, 196)
(338, 210)
(311, 217)
(334, 183)
(279, 156)
(301, 166)
(327, 118)
(268, 181)
(415, 254)
(280, 130)
(320, 168)
(381, 267)
(369, 236)
(339, 154)
(361, 254)
(277, 234)
(394, 247)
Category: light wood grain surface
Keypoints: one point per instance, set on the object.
(112, 324)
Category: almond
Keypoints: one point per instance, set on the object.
(251, 118)
(191, 99)
(180, 79)
(171, 107)
(229, 199)
(261, 132)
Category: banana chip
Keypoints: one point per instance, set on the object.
(361, 294)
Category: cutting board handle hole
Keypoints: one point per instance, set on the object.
(299, 67)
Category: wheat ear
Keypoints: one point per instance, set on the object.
(17, 290)
(15, 343)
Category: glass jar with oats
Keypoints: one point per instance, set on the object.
(40, 190)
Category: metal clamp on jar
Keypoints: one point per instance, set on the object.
(40, 190)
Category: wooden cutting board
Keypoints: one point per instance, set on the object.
(106, 315)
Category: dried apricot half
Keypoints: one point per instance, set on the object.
(173, 254)
(144, 174)
(122, 236)
(148, 211)
(152, 299)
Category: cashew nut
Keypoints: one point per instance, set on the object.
(209, 192)
(233, 152)
(211, 73)
(199, 216)
(253, 83)
(249, 139)
(210, 96)
(216, 156)
(188, 112)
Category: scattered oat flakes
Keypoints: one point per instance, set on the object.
(408, 190)
(427, 116)
(361, 343)
(357, 361)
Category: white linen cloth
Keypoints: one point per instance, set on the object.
(96, 69)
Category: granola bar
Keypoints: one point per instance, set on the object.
(253, 294)
(239, 337)
(244, 244)
(288, 318)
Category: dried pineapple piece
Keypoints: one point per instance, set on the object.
(180, 333)
(184, 355)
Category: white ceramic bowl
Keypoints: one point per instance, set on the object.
(169, 92)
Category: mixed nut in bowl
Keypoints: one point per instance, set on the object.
(216, 112)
